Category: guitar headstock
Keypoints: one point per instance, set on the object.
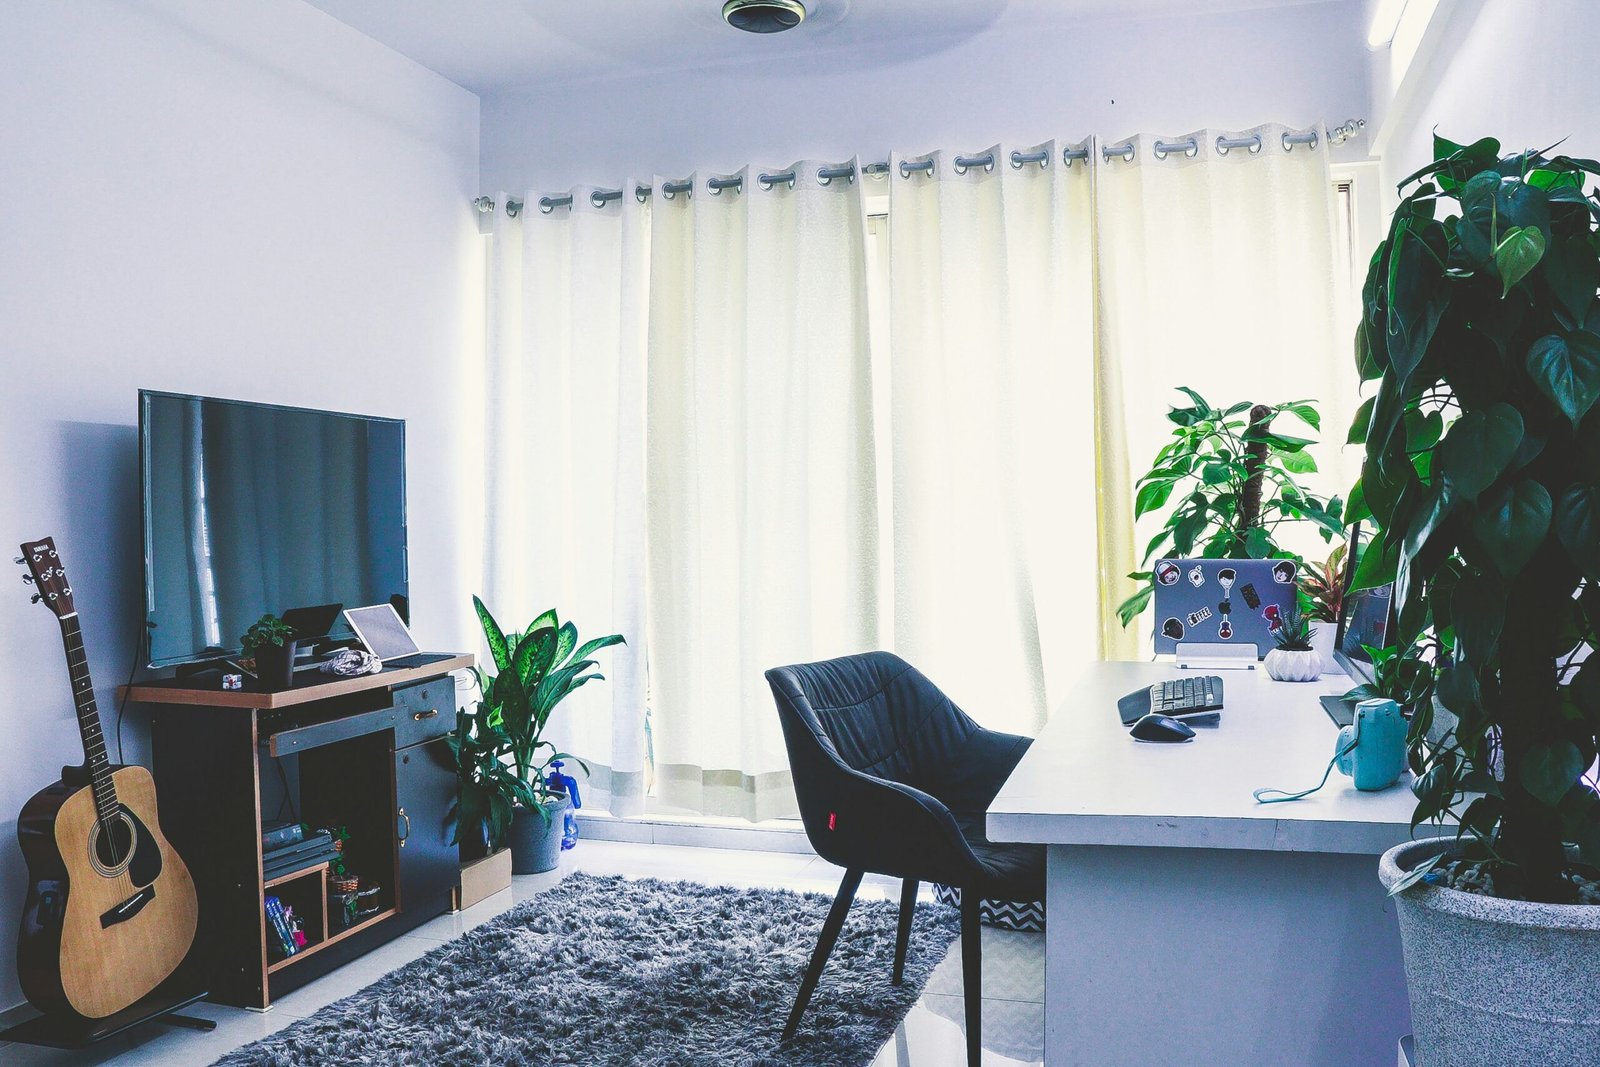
(47, 575)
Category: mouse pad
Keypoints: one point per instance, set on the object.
(1222, 601)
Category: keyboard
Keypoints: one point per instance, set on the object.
(1191, 698)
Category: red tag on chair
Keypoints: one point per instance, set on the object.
(833, 821)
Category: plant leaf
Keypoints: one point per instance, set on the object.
(1548, 770)
(1517, 254)
(1566, 368)
(1478, 449)
(499, 648)
(1513, 524)
(1577, 523)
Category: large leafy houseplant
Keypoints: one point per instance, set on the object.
(500, 748)
(1481, 328)
(1233, 478)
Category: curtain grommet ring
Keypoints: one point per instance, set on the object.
(641, 194)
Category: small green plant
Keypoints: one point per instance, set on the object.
(501, 753)
(267, 630)
(1296, 632)
(1322, 587)
(1233, 478)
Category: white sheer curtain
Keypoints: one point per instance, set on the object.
(565, 428)
(762, 514)
(992, 407)
(1216, 271)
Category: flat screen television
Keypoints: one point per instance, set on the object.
(255, 508)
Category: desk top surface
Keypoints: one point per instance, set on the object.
(309, 686)
(1086, 782)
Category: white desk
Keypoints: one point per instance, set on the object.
(1187, 924)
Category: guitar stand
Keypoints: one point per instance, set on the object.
(74, 1032)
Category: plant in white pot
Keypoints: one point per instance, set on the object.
(1482, 331)
(1294, 659)
(500, 746)
(1322, 600)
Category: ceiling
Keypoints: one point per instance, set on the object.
(500, 46)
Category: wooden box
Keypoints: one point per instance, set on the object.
(483, 878)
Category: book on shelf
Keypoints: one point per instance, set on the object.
(278, 923)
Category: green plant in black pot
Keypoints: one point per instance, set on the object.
(270, 642)
(1480, 320)
(500, 747)
(1233, 480)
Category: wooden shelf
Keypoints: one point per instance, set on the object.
(312, 950)
(319, 687)
(307, 873)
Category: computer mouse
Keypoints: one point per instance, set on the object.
(1161, 729)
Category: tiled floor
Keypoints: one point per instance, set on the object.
(931, 1036)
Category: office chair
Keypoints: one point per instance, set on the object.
(894, 779)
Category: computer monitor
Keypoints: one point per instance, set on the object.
(1366, 618)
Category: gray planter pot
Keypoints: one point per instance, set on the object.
(536, 843)
(1499, 983)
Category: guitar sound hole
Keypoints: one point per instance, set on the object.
(113, 843)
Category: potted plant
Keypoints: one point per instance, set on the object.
(1233, 477)
(270, 642)
(1294, 659)
(1481, 329)
(500, 746)
(1322, 599)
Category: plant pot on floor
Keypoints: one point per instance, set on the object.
(1495, 982)
(275, 665)
(536, 842)
(1293, 665)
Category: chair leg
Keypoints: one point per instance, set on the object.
(972, 973)
(819, 957)
(908, 904)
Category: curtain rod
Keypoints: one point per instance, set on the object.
(1188, 147)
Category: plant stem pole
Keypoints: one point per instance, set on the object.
(1530, 832)
(1255, 462)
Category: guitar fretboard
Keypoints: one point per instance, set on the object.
(94, 742)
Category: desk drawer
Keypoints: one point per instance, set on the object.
(292, 739)
(424, 711)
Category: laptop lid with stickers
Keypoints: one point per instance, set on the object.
(1222, 601)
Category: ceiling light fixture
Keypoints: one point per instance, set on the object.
(1385, 21)
(764, 16)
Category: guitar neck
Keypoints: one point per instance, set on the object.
(94, 742)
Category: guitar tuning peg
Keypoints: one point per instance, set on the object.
(36, 598)
(28, 578)
(19, 561)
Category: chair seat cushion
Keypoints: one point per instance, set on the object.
(1012, 872)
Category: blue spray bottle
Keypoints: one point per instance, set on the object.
(558, 782)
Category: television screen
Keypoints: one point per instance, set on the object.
(253, 508)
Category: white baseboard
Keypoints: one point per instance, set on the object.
(694, 833)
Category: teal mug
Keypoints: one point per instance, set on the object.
(1372, 749)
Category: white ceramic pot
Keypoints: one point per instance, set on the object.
(1322, 645)
(1495, 983)
(1285, 666)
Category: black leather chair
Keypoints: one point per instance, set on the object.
(894, 779)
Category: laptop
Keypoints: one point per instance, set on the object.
(1235, 603)
(380, 629)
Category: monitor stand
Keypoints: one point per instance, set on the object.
(1200, 655)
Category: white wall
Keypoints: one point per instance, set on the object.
(1170, 74)
(1519, 70)
(244, 200)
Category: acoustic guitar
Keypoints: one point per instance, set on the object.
(111, 908)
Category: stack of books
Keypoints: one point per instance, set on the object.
(297, 853)
(280, 931)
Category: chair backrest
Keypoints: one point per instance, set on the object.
(851, 724)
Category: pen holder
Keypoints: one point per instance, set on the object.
(1372, 749)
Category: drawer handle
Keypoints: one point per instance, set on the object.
(429, 714)
(407, 818)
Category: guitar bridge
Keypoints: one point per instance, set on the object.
(128, 908)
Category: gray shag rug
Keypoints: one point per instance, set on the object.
(608, 970)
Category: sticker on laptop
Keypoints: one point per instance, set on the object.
(1225, 631)
(1252, 599)
(1283, 571)
(1197, 576)
(1274, 616)
(1225, 578)
(1198, 617)
(1172, 628)
(1167, 572)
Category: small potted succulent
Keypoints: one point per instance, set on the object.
(270, 642)
(1294, 660)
